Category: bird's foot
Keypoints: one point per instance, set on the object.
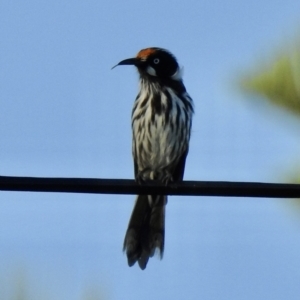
(167, 178)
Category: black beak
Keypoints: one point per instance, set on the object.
(129, 61)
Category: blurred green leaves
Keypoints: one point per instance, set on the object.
(19, 286)
(279, 82)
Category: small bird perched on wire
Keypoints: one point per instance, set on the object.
(161, 125)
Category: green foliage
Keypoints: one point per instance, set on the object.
(19, 287)
(279, 83)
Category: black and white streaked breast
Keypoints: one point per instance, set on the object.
(161, 124)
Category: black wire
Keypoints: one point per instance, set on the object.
(126, 186)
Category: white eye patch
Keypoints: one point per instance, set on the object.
(151, 71)
(178, 74)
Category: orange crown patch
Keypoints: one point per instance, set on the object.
(144, 53)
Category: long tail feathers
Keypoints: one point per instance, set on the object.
(146, 229)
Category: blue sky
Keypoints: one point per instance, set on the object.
(65, 113)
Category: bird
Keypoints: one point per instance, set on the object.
(161, 123)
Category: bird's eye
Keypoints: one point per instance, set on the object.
(156, 60)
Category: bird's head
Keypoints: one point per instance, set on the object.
(155, 62)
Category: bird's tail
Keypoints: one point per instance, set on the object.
(146, 229)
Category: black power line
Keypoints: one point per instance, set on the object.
(126, 186)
